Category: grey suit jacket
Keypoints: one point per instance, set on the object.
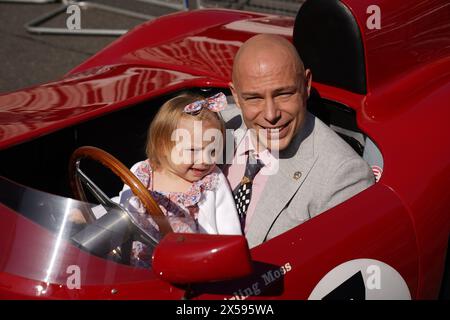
(316, 172)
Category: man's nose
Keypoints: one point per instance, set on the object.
(271, 111)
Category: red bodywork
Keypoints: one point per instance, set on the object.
(403, 220)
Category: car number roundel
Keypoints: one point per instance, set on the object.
(361, 279)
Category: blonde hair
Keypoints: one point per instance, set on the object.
(159, 136)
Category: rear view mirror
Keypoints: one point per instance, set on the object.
(185, 258)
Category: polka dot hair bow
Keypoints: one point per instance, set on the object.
(216, 103)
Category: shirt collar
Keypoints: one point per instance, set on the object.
(248, 144)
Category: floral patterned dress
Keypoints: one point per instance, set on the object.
(180, 208)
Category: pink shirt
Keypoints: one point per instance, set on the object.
(235, 171)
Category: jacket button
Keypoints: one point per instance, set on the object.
(297, 175)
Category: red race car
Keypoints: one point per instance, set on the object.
(381, 73)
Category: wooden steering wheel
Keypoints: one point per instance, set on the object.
(78, 179)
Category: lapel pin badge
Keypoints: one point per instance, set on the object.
(297, 175)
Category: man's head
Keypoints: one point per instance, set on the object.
(270, 85)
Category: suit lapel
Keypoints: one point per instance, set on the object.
(295, 164)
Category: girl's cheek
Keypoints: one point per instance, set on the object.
(208, 157)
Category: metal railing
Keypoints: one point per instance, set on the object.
(177, 4)
(29, 1)
(282, 7)
(35, 26)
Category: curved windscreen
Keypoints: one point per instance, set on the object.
(45, 237)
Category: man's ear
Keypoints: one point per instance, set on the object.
(234, 93)
(308, 81)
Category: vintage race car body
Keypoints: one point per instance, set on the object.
(390, 84)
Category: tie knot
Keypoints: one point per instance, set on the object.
(253, 166)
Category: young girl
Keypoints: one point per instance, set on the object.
(180, 172)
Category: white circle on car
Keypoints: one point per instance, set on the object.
(362, 279)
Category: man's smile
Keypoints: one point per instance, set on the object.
(276, 132)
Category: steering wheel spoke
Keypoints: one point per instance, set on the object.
(101, 197)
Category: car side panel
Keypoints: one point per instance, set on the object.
(371, 225)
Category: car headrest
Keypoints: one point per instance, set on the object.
(328, 39)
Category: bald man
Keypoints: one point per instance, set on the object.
(305, 167)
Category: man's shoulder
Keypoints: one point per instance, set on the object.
(338, 164)
(332, 153)
(328, 144)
